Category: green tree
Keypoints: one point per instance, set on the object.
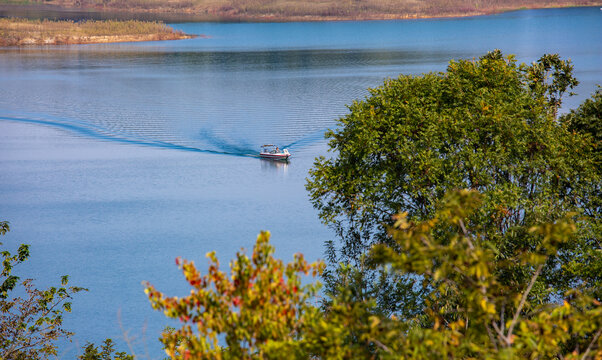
(92, 352)
(9, 281)
(488, 125)
(470, 311)
(587, 120)
(30, 325)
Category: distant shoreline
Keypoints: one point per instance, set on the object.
(67, 25)
(23, 32)
(119, 9)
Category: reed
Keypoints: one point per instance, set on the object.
(15, 31)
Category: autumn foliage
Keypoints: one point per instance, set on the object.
(261, 301)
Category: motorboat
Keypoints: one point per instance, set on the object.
(273, 152)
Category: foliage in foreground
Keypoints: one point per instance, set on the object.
(469, 312)
(261, 302)
(106, 352)
(487, 124)
(30, 325)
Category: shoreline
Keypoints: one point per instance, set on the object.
(72, 20)
(229, 15)
(387, 17)
(94, 39)
(18, 32)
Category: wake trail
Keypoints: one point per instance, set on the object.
(207, 136)
(307, 140)
(96, 132)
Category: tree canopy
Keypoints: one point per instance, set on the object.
(587, 120)
(488, 125)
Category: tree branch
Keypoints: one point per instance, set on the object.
(499, 331)
(591, 344)
(522, 303)
(491, 338)
(381, 345)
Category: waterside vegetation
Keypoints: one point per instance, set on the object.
(314, 10)
(16, 32)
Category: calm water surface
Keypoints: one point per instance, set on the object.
(117, 158)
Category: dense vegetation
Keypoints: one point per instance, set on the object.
(43, 32)
(586, 120)
(488, 125)
(315, 9)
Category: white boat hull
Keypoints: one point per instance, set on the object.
(280, 156)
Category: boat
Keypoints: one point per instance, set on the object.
(273, 152)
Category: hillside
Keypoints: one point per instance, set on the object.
(295, 10)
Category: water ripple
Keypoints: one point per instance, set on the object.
(216, 142)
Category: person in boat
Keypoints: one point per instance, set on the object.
(277, 150)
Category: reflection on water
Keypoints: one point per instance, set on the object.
(221, 102)
(275, 166)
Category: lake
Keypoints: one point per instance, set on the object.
(117, 158)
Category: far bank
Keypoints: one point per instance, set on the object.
(270, 11)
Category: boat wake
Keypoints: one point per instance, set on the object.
(308, 139)
(96, 132)
(241, 148)
(210, 142)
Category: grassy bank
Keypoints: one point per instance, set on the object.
(292, 10)
(15, 31)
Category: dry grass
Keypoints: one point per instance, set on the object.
(319, 9)
(36, 32)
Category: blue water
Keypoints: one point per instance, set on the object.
(116, 158)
